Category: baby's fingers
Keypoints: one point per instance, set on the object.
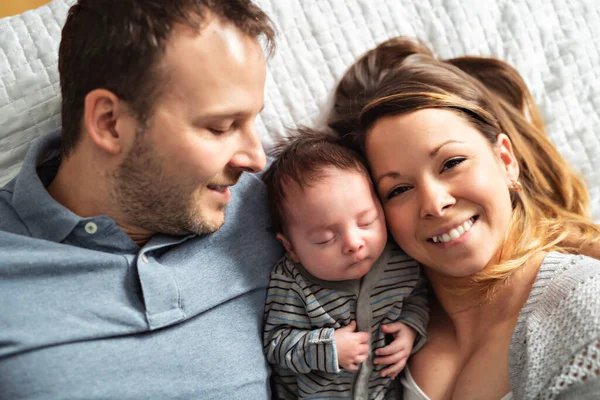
(361, 358)
(362, 337)
(393, 370)
(395, 347)
(351, 367)
(392, 358)
(362, 349)
(393, 327)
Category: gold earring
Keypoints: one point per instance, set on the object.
(515, 185)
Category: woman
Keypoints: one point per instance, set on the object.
(474, 191)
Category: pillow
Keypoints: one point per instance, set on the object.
(551, 43)
(29, 86)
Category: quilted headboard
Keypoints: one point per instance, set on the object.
(551, 42)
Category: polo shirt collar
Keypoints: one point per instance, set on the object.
(44, 217)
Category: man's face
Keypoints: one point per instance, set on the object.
(201, 135)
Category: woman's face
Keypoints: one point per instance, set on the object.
(444, 188)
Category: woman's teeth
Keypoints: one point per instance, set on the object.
(455, 233)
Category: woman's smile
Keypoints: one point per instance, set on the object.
(443, 187)
(452, 234)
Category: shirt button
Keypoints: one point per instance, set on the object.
(91, 228)
(144, 258)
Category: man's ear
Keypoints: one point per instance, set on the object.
(105, 119)
(507, 157)
(288, 247)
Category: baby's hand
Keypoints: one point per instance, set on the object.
(396, 353)
(352, 347)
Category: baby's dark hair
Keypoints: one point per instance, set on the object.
(301, 159)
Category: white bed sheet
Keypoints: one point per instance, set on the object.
(551, 42)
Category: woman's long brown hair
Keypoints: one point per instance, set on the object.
(401, 75)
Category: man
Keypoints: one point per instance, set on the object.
(120, 276)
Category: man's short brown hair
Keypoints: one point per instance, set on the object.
(117, 45)
(301, 159)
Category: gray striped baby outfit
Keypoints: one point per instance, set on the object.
(302, 312)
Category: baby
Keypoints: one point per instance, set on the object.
(344, 308)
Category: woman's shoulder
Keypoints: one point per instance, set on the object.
(559, 269)
(564, 281)
(557, 324)
(564, 261)
(573, 259)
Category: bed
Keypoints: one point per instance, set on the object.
(551, 42)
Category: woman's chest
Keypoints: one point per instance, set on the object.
(445, 370)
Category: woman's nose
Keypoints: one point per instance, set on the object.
(435, 199)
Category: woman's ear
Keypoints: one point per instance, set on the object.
(288, 247)
(507, 157)
(105, 117)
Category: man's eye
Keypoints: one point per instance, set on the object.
(398, 190)
(452, 163)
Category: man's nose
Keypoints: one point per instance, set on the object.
(251, 156)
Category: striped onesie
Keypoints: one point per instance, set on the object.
(302, 312)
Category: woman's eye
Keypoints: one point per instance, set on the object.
(452, 163)
(398, 190)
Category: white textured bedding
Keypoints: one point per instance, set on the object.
(551, 42)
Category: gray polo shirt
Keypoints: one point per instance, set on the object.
(85, 313)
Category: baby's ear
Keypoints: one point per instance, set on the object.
(288, 247)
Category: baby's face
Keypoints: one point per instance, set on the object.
(335, 227)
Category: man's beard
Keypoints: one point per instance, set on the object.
(155, 202)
